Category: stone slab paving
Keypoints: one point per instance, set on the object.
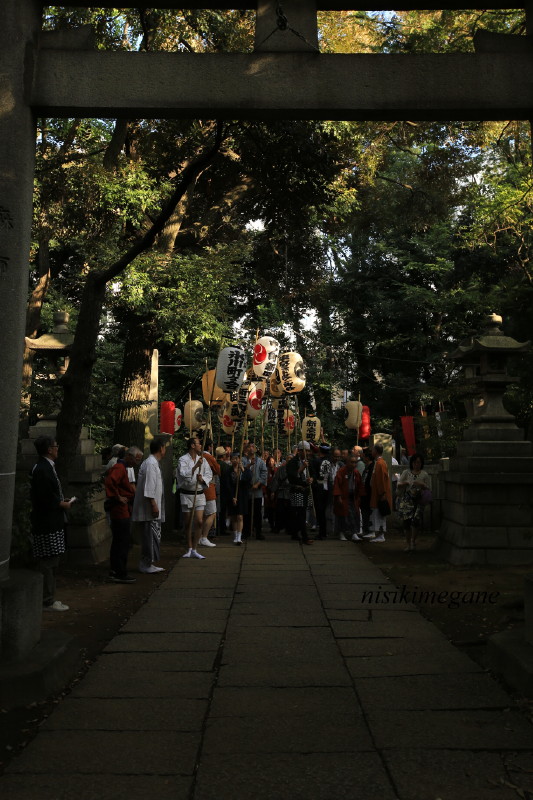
(265, 673)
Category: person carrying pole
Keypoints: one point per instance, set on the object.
(193, 475)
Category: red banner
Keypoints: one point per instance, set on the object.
(408, 427)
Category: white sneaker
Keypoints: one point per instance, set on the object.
(369, 536)
(343, 538)
(206, 543)
(148, 570)
(194, 554)
(57, 605)
(158, 569)
(379, 538)
(356, 538)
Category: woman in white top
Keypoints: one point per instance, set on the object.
(411, 484)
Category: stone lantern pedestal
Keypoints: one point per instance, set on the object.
(488, 489)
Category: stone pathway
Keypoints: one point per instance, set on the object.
(260, 674)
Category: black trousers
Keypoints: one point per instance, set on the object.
(320, 498)
(120, 545)
(366, 513)
(298, 522)
(283, 515)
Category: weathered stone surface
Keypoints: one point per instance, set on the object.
(460, 730)
(325, 732)
(123, 714)
(162, 662)
(444, 691)
(329, 86)
(281, 710)
(297, 619)
(417, 627)
(118, 753)
(168, 620)
(449, 774)
(278, 672)
(163, 642)
(257, 645)
(389, 646)
(103, 680)
(97, 786)
(409, 664)
(278, 776)
(283, 702)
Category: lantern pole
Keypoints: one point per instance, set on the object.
(244, 431)
(357, 434)
(263, 431)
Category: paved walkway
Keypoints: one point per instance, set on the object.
(260, 674)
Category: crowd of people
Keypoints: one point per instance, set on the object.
(311, 492)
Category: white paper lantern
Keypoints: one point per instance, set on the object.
(178, 418)
(265, 356)
(216, 395)
(255, 399)
(289, 421)
(194, 415)
(354, 413)
(229, 426)
(290, 372)
(231, 368)
(276, 389)
(311, 428)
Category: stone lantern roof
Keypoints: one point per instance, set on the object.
(492, 340)
(59, 339)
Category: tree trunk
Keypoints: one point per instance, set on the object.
(76, 382)
(33, 321)
(131, 419)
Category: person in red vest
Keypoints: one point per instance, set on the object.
(210, 492)
(347, 489)
(120, 493)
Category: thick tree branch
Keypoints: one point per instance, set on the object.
(188, 176)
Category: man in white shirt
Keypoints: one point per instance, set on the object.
(193, 475)
(149, 506)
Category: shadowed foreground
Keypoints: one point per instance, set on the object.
(261, 674)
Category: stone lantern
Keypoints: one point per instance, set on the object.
(484, 359)
(55, 346)
(487, 510)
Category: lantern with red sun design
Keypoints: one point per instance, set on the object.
(265, 356)
(289, 421)
(255, 399)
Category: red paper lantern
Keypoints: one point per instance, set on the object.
(364, 430)
(166, 417)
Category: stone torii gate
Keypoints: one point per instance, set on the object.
(58, 74)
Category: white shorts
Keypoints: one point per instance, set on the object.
(210, 507)
(187, 502)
